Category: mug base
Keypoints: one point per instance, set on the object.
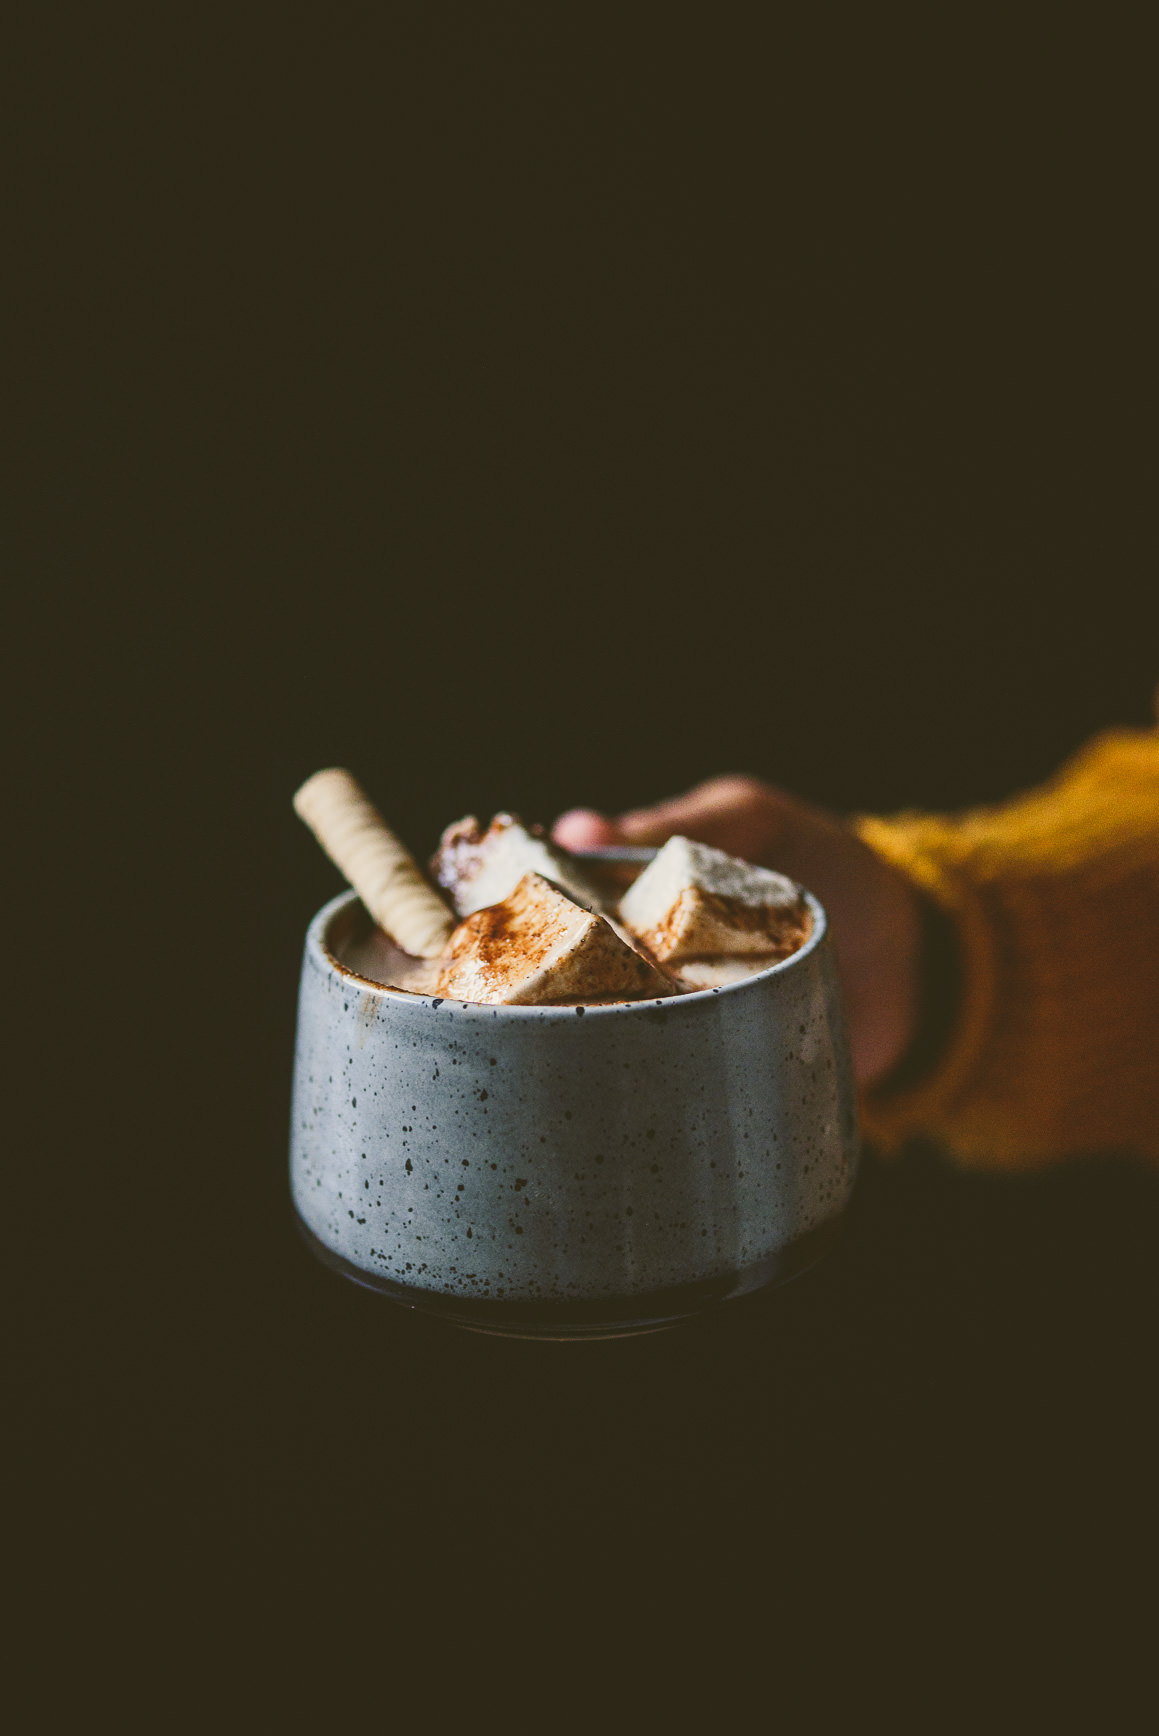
(568, 1322)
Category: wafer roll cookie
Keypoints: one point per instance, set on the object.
(381, 870)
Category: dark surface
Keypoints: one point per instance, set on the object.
(529, 416)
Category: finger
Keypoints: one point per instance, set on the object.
(714, 812)
(585, 829)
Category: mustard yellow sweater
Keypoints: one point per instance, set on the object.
(1053, 899)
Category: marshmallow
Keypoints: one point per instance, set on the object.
(536, 947)
(717, 973)
(696, 902)
(481, 868)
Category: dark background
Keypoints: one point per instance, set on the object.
(529, 407)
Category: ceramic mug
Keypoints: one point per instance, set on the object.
(569, 1172)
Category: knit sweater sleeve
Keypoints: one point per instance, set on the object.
(1054, 900)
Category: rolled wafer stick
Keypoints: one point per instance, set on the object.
(381, 870)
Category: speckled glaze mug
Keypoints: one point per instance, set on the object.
(569, 1172)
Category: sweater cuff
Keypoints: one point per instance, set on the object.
(938, 1072)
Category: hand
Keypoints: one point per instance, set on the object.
(873, 910)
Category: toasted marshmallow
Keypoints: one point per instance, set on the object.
(480, 868)
(717, 973)
(536, 947)
(696, 902)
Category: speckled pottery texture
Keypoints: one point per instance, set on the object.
(566, 1170)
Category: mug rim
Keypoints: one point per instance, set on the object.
(316, 946)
